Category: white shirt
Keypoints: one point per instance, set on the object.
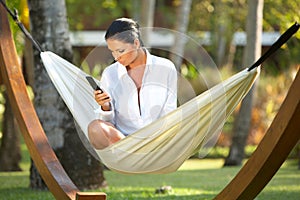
(158, 94)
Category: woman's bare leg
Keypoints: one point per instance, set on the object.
(102, 134)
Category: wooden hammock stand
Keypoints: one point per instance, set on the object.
(281, 137)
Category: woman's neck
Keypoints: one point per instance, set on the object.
(140, 59)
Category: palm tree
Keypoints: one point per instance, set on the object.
(182, 22)
(251, 54)
(50, 28)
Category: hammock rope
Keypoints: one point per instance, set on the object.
(162, 146)
(15, 17)
(281, 40)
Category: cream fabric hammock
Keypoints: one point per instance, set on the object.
(165, 144)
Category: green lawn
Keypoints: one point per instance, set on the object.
(196, 179)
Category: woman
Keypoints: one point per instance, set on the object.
(137, 89)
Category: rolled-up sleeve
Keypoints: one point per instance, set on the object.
(107, 116)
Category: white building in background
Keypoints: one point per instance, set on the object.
(163, 39)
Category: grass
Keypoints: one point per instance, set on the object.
(196, 179)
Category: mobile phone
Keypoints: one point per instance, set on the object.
(93, 83)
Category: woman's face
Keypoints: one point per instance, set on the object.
(124, 53)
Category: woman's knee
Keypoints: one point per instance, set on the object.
(95, 134)
(102, 134)
(93, 127)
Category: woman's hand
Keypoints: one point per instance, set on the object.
(102, 99)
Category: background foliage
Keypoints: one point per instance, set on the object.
(206, 15)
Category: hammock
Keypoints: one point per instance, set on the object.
(162, 146)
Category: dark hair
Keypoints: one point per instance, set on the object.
(124, 29)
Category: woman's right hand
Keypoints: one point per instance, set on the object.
(102, 99)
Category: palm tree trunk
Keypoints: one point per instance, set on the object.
(10, 152)
(147, 20)
(177, 49)
(50, 29)
(251, 54)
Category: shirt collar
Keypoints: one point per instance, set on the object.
(149, 61)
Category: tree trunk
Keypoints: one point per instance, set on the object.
(10, 152)
(182, 22)
(50, 28)
(147, 20)
(240, 132)
(221, 42)
(298, 152)
(252, 53)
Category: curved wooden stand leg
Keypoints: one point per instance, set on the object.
(41, 152)
(281, 137)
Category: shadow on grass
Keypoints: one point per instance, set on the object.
(189, 179)
(15, 185)
(137, 196)
(24, 193)
(286, 194)
(148, 194)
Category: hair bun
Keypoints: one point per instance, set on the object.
(124, 29)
